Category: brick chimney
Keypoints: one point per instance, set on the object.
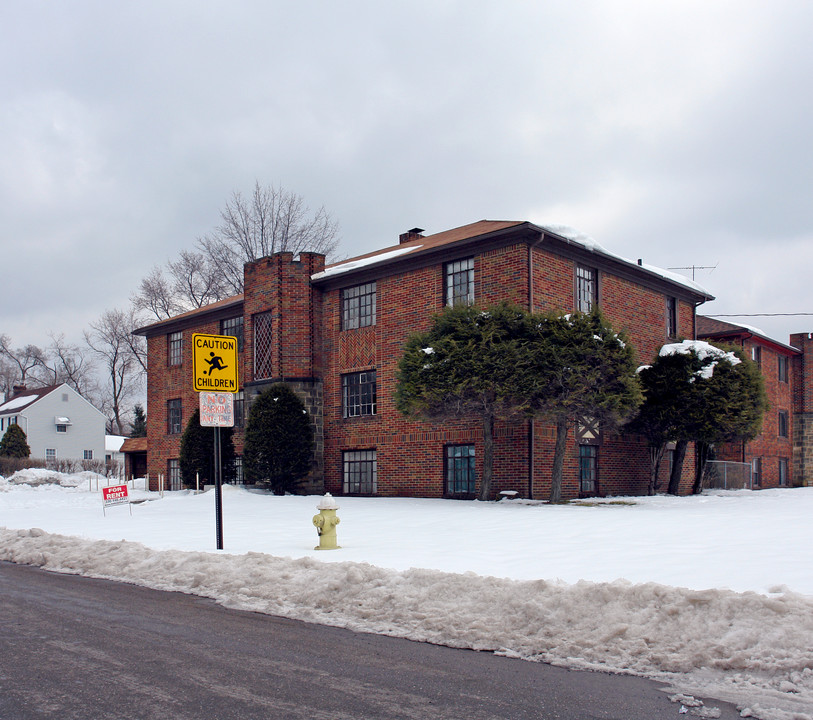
(413, 234)
(17, 390)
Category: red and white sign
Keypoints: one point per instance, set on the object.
(115, 495)
(216, 409)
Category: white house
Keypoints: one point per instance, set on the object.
(58, 422)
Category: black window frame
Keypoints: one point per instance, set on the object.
(174, 479)
(459, 470)
(360, 394)
(756, 472)
(783, 471)
(360, 471)
(782, 368)
(588, 469)
(174, 416)
(458, 282)
(359, 306)
(234, 327)
(175, 348)
(671, 317)
(586, 288)
(783, 423)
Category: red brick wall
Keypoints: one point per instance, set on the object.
(309, 343)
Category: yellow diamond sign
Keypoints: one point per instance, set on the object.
(214, 363)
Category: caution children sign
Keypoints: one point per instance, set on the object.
(214, 363)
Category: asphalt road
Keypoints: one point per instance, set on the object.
(77, 648)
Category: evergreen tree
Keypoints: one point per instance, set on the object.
(668, 386)
(15, 443)
(735, 403)
(278, 440)
(581, 370)
(138, 428)
(197, 455)
(696, 392)
(467, 365)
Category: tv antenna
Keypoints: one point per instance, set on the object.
(712, 268)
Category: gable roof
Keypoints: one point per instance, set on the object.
(131, 445)
(709, 327)
(26, 398)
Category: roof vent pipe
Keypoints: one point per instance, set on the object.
(640, 261)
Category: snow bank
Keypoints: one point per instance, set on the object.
(717, 600)
(733, 646)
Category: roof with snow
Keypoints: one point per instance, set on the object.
(490, 230)
(710, 327)
(26, 398)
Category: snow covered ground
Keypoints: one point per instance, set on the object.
(712, 594)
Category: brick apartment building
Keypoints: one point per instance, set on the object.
(335, 334)
(776, 456)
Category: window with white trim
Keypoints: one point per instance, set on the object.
(87, 454)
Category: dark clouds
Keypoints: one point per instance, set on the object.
(676, 132)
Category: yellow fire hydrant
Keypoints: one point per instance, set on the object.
(326, 522)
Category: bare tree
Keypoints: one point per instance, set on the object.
(19, 362)
(108, 337)
(197, 279)
(63, 362)
(156, 295)
(271, 220)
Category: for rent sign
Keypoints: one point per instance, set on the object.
(216, 409)
(115, 495)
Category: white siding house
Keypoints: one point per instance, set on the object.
(58, 422)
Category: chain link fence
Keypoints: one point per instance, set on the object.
(727, 475)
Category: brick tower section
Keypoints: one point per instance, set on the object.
(802, 370)
(283, 320)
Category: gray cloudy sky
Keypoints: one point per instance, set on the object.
(678, 132)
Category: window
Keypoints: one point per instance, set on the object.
(239, 409)
(782, 369)
(782, 424)
(173, 417)
(262, 346)
(588, 469)
(460, 282)
(233, 327)
(175, 348)
(756, 472)
(174, 474)
(12, 421)
(238, 470)
(87, 454)
(671, 317)
(586, 288)
(360, 472)
(62, 428)
(756, 354)
(358, 306)
(64, 397)
(359, 394)
(50, 454)
(459, 472)
(783, 472)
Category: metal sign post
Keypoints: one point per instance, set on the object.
(214, 369)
